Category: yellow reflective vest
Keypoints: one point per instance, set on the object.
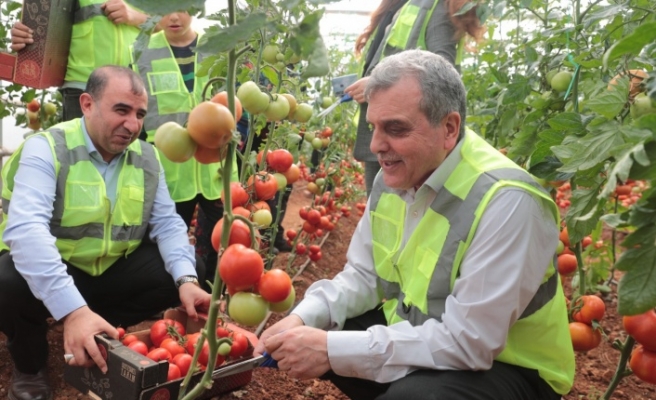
(89, 234)
(96, 41)
(417, 278)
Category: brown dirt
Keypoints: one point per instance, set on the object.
(594, 369)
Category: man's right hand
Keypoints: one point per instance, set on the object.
(289, 322)
(80, 327)
(21, 36)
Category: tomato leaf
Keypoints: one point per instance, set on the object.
(317, 62)
(637, 287)
(584, 213)
(592, 150)
(633, 43)
(547, 139)
(610, 102)
(225, 39)
(567, 122)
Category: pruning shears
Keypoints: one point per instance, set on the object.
(343, 99)
(265, 360)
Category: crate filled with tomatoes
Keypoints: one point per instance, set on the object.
(152, 363)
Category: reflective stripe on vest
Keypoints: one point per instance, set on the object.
(84, 13)
(168, 97)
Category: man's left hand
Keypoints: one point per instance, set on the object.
(302, 351)
(194, 299)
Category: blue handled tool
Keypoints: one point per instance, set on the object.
(343, 99)
(265, 360)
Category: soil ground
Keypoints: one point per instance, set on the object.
(594, 369)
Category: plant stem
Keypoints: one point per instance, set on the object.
(621, 370)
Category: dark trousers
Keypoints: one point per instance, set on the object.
(133, 289)
(71, 104)
(501, 382)
(209, 213)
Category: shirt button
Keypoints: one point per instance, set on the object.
(414, 214)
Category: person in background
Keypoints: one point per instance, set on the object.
(450, 288)
(168, 67)
(89, 234)
(397, 25)
(103, 31)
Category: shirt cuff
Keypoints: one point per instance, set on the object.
(349, 354)
(182, 269)
(64, 301)
(314, 313)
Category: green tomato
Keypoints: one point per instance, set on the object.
(561, 247)
(224, 349)
(642, 105)
(252, 98)
(320, 182)
(309, 137)
(262, 218)
(326, 102)
(550, 75)
(560, 82)
(281, 179)
(50, 109)
(303, 112)
(247, 308)
(270, 53)
(174, 142)
(317, 143)
(277, 109)
(284, 305)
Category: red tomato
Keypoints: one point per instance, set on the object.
(239, 233)
(222, 332)
(314, 217)
(121, 332)
(174, 373)
(238, 195)
(303, 212)
(280, 160)
(584, 338)
(274, 286)
(183, 361)
(643, 364)
(300, 249)
(164, 328)
(591, 308)
(643, 328)
(129, 338)
(239, 345)
(290, 234)
(172, 346)
(139, 346)
(315, 256)
(240, 267)
(315, 248)
(159, 354)
(265, 186)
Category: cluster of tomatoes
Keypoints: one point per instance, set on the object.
(563, 195)
(630, 192)
(275, 106)
(586, 312)
(208, 131)
(567, 262)
(168, 341)
(642, 328)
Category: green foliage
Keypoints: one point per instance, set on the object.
(587, 134)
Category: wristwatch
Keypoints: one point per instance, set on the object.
(185, 279)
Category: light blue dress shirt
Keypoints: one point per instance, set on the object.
(32, 246)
